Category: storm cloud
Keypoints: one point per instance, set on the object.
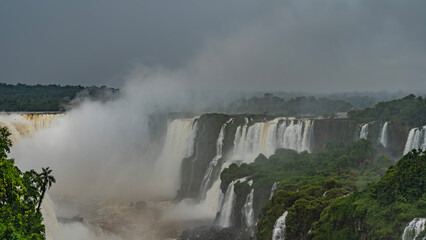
(317, 46)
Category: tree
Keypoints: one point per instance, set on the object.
(47, 180)
(18, 195)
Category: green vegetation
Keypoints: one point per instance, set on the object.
(20, 192)
(308, 183)
(27, 98)
(409, 110)
(296, 106)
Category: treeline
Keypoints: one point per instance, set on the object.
(271, 104)
(35, 98)
(410, 110)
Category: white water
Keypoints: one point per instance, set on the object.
(49, 219)
(179, 144)
(296, 135)
(266, 137)
(364, 131)
(225, 217)
(414, 228)
(248, 213)
(416, 139)
(25, 125)
(273, 189)
(279, 228)
(383, 138)
(219, 152)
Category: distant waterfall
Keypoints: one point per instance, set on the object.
(383, 138)
(273, 189)
(49, 220)
(266, 137)
(296, 135)
(225, 217)
(205, 184)
(179, 144)
(279, 228)
(363, 133)
(248, 213)
(416, 139)
(414, 228)
(25, 125)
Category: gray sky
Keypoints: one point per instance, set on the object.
(307, 45)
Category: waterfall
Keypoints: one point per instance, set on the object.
(205, 184)
(49, 219)
(364, 131)
(416, 139)
(266, 137)
(383, 138)
(279, 228)
(273, 189)
(179, 144)
(414, 228)
(225, 216)
(25, 125)
(248, 213)
(296, 135)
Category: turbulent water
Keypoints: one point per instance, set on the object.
(383, 137)
(279, 228)
(25, 124)
(416, 139)
(179, 144)
(248, 213)
(414, 228)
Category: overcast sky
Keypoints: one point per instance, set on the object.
(307, 45)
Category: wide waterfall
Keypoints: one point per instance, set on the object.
(414, 228)
(248, 213)
(279, 228)
(416, 139)
(22, 125)
(266, 137)
(225, 217)
(205, 184)
(179, 144)
(383, 137)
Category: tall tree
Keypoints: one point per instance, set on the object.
(47, 181)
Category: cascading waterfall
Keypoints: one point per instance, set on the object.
(248, 213)
(266, 137)
(364, 131)
(179, 144)
(273, 189)
(416, 139)
(296, 135)
(225, 217)
(25, 125)
(279, 228)
(205, 184)
(414, 228)
(49, 219)
(383, 138)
